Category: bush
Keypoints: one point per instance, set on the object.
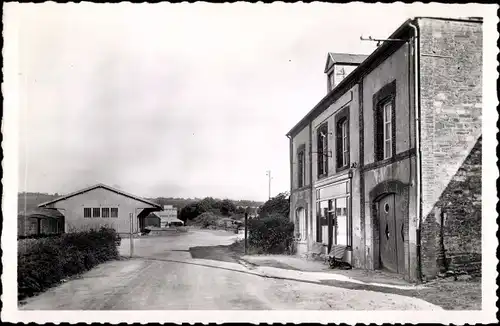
(50, 260)
(279, 205)
(270, 235)
(206, 220)
(39, 236)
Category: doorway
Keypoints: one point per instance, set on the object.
(391, 234)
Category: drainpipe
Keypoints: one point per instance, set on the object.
(291, 173)
(311, 203)
(416, 61)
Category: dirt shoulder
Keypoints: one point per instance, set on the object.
(453, 295)
(446, 293)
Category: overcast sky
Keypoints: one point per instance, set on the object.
(184, 100)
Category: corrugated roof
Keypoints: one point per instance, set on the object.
(100, 185)
(42, 213)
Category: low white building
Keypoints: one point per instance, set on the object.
(97, 206)
(168, 215)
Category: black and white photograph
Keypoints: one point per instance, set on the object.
(249, 162)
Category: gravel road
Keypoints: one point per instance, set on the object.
(164, 276)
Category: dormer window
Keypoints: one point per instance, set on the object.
(341, 73)
(339, 65)
(331, 81)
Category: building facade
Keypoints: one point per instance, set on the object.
(39, 221)
(382, 162)
(168, 215)
(101, 205)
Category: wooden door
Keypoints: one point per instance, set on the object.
(331, 226)
(388, 241)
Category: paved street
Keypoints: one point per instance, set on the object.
(165, 276)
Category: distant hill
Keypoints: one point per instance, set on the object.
(31, 200)
(176, 202)
(182, 202)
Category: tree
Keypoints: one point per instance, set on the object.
(208, 203)
(279, 205)
(190, 211)
(272, 234)
(227, 207)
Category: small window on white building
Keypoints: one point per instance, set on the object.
(87, 212)
(96, 212)
(105, 212)
(114, 212)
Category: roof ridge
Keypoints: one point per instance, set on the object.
(99, 185)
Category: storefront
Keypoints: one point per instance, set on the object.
(334, 221)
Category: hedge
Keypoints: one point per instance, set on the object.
(49, 260)
(39, 236)
(270, 235)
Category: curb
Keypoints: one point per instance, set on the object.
(353, 284)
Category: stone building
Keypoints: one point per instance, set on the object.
(388, 163)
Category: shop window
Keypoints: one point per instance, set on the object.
(336, 212)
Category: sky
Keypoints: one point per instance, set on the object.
(178, 100)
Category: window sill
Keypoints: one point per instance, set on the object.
(391, 160)
(322, 176)
(345, 167)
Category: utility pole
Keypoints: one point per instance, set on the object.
(268, 173)
(131, 234)
(246, 228)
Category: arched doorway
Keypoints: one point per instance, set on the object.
(389, 219)
(391, 233)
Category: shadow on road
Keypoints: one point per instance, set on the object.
(438, 295)
(218, 253)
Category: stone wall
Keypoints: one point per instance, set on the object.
(451, 107)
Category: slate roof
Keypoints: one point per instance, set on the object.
(344, 58)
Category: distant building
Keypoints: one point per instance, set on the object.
(102, 205)
(40, 221)
(252, 211)
(388, 163)
(168, 216)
